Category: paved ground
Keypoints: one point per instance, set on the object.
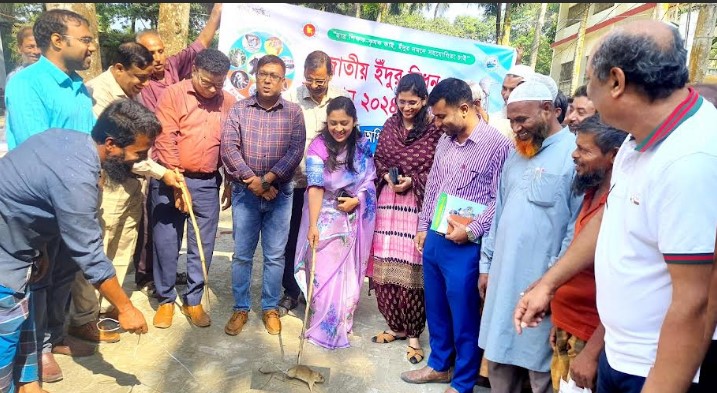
(184, 358)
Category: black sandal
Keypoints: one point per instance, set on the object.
(386, 337)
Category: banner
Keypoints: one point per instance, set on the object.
(368, 58)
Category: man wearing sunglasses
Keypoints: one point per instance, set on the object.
(312, 96)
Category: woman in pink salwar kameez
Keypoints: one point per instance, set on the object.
(338, 219)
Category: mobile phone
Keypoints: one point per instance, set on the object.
(393, 174)
(342, 194)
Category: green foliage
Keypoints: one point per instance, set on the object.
(523, 32)
(24, 14)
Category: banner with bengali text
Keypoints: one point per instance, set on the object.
(368, 58)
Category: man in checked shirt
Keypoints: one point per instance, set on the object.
(262, 144)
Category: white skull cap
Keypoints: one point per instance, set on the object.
(521, 70)
(530, 90)
(548, 82)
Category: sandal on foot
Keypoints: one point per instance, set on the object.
(386, 337)
(414, 355)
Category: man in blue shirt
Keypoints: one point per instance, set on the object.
(47, 194)
(44, 95)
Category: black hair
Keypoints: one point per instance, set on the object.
(270, 59)
(347, 105)
(123, 120)
(54, 22)
(213, 61)
(651, 69)
(561, 101)
(414, 83)
(607, 138)
(24, 32)
(133, 54)
(318, 59)
(581, 91)
(453, 90)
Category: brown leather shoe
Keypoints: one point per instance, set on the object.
(51, 371)
(426, 375)
(272, 323)
(196, 315)
(73, 348)
(163, 316)
(236, 322)
(90, 332)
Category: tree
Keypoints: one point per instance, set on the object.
(579, 47)
(702, 43)
(538, 33)
(173, 26)
(89, 12)
(507, 21)
(440, 8)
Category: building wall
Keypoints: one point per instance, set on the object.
(598, 25)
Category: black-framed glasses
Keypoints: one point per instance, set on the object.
(407, 103)
(272, 77)
(85, 40)
(209, 84)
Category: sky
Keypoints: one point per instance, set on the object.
(456, 9)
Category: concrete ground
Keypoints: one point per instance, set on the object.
(185, 358)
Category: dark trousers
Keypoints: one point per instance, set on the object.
(708, 371)
(613, 381)
(168, 225)
(143, 251)
(450, 275)
(291, 288)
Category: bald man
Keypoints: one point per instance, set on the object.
(654, 245)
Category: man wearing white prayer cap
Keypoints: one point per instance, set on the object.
(516, 75)
(533, 225)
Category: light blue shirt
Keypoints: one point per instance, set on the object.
(533, 225)
(40, 97)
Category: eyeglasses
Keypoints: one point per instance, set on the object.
(209, 84)
(317, 82)
(408, 103)
(272, 77)
(84, 40)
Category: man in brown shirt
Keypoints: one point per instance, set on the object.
(191, 113)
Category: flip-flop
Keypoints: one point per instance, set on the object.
(414, 355)
(386, 337)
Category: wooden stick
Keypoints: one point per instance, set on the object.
(187, 197)
(308, 302)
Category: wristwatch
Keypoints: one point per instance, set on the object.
(265, 184)
(471, 236)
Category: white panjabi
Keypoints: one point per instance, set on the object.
(530, 90)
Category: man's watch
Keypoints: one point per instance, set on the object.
(471, 236)
(265, 184)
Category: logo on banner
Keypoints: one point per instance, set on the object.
(244, 55)
(309, 30)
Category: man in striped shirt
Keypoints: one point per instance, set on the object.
(262, 144)
(467, 164)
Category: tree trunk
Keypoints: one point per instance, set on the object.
(702, 42)
(6, 22)
(382, 8)
(497, 22)
(579, 49)
(505, 34)
(358, 10)
(538, 33)
(88, 11)
(173, 26)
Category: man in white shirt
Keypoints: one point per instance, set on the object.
(653, 246)
(516, 75)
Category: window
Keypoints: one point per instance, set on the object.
(566, 74)
(575, 13)
(600, 7)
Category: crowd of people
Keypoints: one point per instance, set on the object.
(591, 259)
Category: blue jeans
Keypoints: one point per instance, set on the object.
(252, 215)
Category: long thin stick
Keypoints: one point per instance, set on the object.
(308, 303)
(187, 197)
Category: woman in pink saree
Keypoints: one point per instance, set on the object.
(338, 219)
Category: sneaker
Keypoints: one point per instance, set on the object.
(236, 322)
(90, 332)
(148, 289)
(286, 304)
(181, 279)
(272, 321)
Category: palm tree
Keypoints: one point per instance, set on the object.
(440, 8)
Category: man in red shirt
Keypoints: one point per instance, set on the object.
(191, 113)
(577, 334)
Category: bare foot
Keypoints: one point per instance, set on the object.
(398, 335)
(413, 341)
(31, 387)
